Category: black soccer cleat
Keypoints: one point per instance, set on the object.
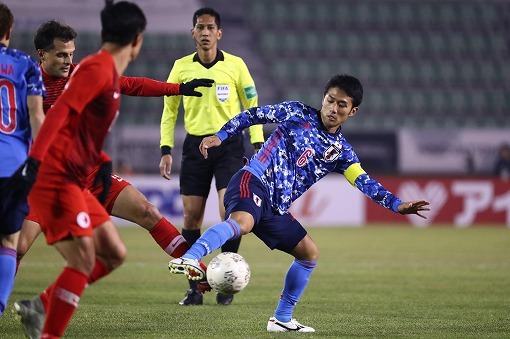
(192, 298)
(224, 299)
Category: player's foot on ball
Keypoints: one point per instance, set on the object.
(274, 325)
(224, 299)
(32, 315)
(189, 267)
(192, 298)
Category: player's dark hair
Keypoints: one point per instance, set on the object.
(6, 20)
(121, 22)
(207, 10)
(49, 31)
(349, 84)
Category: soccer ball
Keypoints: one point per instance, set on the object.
(228, 273)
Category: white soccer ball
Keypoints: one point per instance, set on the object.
(228, 273)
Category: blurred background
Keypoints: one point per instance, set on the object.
(436, 75)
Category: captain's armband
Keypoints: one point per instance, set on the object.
(353, 171)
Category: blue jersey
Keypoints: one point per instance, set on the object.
(300, 152)
(20, 76)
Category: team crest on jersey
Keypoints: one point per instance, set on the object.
(332, 153)
(222, 92)
(83, 219)
(257, 200)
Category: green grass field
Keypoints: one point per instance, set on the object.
(373, 282)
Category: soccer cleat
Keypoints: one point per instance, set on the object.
(192, 298)
(224, 299)
(32, 314)
(189, 267)
(274, 325)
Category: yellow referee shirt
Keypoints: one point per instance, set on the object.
(233, 86)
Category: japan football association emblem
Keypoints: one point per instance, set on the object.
(332, 153)
(257, 200)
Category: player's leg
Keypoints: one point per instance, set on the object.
(79, 254)
(130, 204)
(7, 266)
(193, 210)
(244, 212)
(12, 213)
(283, 233)
(30, 230)
(195, 179)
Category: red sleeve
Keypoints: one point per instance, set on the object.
(53, 122)
(145, 87)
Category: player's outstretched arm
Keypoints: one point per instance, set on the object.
(209, 142)
(414, 207)
(188, 88)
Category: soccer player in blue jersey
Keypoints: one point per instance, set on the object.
(306, 146)
(21, 115)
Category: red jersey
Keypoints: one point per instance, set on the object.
(73, 134)
(134, 86)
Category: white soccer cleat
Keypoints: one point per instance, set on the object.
(32, 315)
(274, 325)
(189, 267)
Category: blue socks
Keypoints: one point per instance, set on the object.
(295, 282)
(7, 272)
(213, 238)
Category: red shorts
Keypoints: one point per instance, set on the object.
(118, 184)
(65, 210)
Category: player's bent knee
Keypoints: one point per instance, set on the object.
(117, 257)
(152, 212)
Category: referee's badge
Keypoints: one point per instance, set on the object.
(257, 200)
(222, 92)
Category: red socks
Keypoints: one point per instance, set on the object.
(99, 271)
(63, 300)
(169, 238)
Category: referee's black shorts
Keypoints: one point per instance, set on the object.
(223, 162)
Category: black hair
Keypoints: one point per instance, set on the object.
(121, 22)
(207, 10)
(349, 84)
(49, 31)
(6, 20)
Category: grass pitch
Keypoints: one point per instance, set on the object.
(372, 282)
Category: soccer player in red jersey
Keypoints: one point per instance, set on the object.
(68, 148)
(55, 45)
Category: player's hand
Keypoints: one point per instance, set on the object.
(208, 142)
(104, 177)
(21, 182)
(165, 166)
(188, 88)
(414, 207)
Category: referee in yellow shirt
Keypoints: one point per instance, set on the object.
(204, 116)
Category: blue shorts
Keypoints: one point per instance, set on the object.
(12, 212)
(247, 193)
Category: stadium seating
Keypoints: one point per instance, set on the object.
(423, 63)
